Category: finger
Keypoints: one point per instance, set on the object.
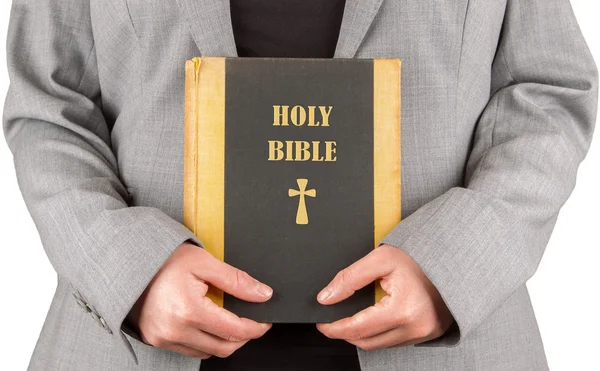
(396, 337)
(232, 280)
(185, 350)
(368, 322)
(372, 266)
(210, 344)
(211, 318)
(387, 339)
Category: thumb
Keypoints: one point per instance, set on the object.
(234, 281)
(372, 266)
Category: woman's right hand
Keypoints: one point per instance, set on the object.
(173, 312)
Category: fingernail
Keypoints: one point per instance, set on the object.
(264, 290)
(264, 325)
(323, 295)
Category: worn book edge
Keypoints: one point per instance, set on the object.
(204, 113)
(386, 151)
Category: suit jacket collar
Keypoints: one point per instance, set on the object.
(210, 25)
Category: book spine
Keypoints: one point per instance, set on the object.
(190, 138)
(209, 215)
(204, 156)
(386, 151)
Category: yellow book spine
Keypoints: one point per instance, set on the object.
(190, 155)
(386, 151)
(204, 156)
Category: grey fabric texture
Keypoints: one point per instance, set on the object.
(499, 102)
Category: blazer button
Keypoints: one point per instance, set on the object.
(105, 325)
(81, 303)
(95, 314)
(96, 318)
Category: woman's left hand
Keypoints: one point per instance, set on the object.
(412, 311)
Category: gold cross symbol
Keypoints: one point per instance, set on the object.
(302, 215)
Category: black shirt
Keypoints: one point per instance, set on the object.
(301, 29)
(286, 28)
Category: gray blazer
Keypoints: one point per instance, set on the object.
(499, 105)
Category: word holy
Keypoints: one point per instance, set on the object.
(302, 150)
(282, 115)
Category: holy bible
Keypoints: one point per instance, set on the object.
(291, 173)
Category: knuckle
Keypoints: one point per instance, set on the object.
(420, 332)
(226, 350)
(219, 354)
(234, 335)
(184, 312)
(435, 329)
(398, 319)
(356, 335)
(353, 331)
(378, 254)
(339, 276)
(356, 330)
(156, 339)
(436, 332)
(423, 330)
(409, 314)
(167, 333)
(345, 276)
(366, 346)
(238, 278)
(241, 277)
(151, 339)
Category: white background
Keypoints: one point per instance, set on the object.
(565, 289)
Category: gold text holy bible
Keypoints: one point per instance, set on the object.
(292, 172)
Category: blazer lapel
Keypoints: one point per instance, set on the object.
(358, 16)
(210, 26)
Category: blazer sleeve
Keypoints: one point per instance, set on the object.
(66, 170)
(480, 242)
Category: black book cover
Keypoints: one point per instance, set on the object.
(292, 173)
